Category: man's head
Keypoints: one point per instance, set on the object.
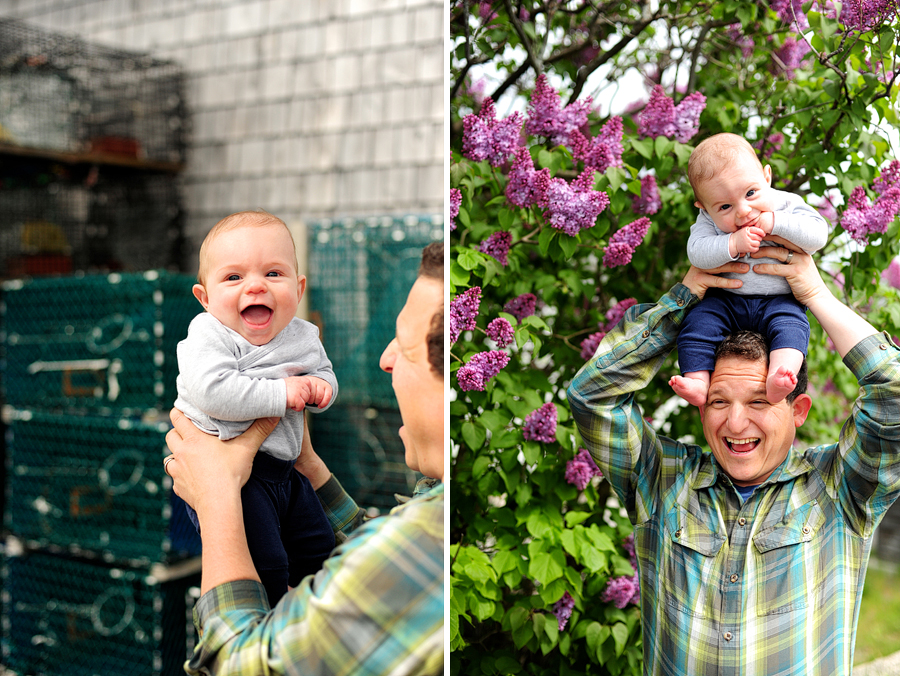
(749, 436)
(248, 276)
(729, 181)
(415, 360)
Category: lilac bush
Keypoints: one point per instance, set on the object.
(575, 209)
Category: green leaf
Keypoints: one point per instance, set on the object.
(568, 245)
(547, 566)
(617, 176)
(663, 146)
(643, 146)
(459, 276)
(480, 466)
(473, 435)
(469, 259)
(505, 560)
(517, 617)
(544, 239)
(507, 665)
(575, 518)
(620, 636)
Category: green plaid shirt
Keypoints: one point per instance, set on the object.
(376, 607)
(770, 586)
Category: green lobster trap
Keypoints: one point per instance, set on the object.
(95, 343)
(94, 487)
(65, 617)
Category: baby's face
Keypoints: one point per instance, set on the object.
(736, 196)
(251, 283)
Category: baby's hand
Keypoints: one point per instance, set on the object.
(766, 221)
(746, 240)
(306, 390)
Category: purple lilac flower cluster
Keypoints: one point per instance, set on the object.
(497, 245)
(616, 312)
(563, 610)
(867, 14)
(581, 469)
(575, 207)
(620, 591)
(772, 143)
(790, 11)
(735, 33)
(455, 203)
(789, 57)
(827, 209)
(862, 219)
(603, 150)
(662, 117)
(624, 590)
(540, 424)
(623, 243)
(527, 187)
(891, 273)
(500, 331)
(590, 344)
(649, 201)
(476, 373)
(547, 117)
(463, 311)
(487, 138)
(521, 306)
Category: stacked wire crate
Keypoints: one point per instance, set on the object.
(99, 565)
(96, 531)
(363, 269)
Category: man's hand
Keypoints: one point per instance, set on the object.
(801, 273)
(204, 466)
(744, 241)
(307, 390)
(698, 281)
(843, 325)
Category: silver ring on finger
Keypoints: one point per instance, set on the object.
(789, 258)
(166, 461)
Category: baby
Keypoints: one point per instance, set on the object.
(738, 208)
(249, 357)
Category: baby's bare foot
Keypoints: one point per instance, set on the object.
(780, 384)
(691, 390)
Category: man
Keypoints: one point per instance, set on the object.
(769, 583)
(376, 607)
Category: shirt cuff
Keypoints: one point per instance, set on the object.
(869, 354)
(247, 595)
(343, 513)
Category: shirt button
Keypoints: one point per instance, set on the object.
(742, 521)
(734, 578)
(678, 533)
(728, 636)
(646, 334)
(806, 530)
(680, 302)
(883, 346)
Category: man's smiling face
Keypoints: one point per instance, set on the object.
(748, 436)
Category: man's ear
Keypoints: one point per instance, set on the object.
(301, 287)
(200, 294)
(800, 407)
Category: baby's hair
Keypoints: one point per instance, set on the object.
(241, 219)
(712, 153)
